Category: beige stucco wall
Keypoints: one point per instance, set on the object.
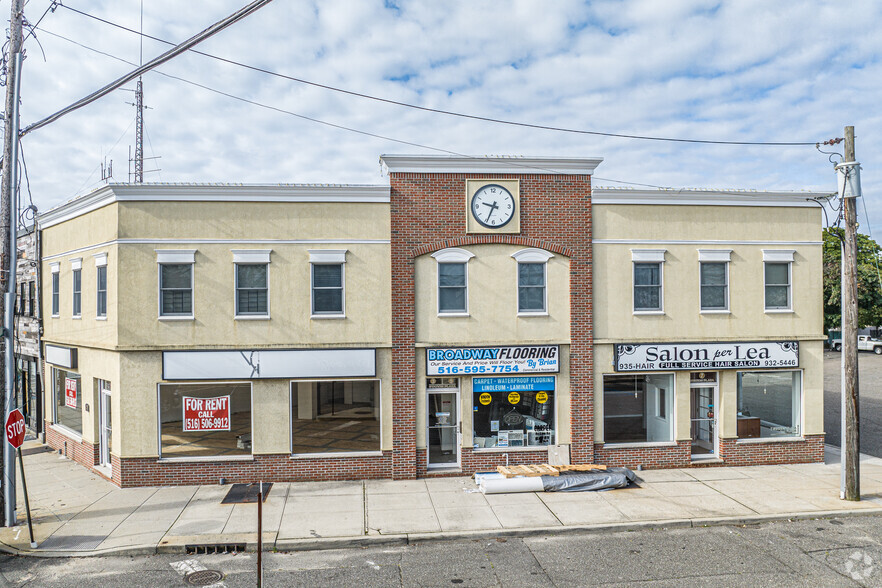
(92, 365)
(367, 288)
(810, 364)
(271, 408)
(81, 238)
(713, 225)
(492, 302)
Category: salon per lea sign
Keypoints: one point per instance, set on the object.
(634, 357)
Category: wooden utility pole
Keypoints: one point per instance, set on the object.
(851, 443)
(8, 221)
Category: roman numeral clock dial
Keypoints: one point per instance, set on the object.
(493, 206)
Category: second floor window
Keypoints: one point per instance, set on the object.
(32, 298)
(55, 296)
(777, 276)
(714, 286)
(77, 292)
(252, 289)
(176, 289)
(451, 288)
(101, 291)
(327, 288)
(531, 287)
(647, 286)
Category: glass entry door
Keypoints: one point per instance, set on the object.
(104, 423)
(443, 430)
(704, 436)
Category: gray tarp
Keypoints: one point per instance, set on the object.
(585, 481)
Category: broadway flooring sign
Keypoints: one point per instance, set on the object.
(492, 360)
(639, 357)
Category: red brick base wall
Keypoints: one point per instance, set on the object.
(148, 471)
(737, 454)
(676, 456)
(732, 453)
(80, 451)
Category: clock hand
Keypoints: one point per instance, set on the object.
(493, 207)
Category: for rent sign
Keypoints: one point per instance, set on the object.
(492, 360)
(207, 414)
(638, 357)
(70, 392)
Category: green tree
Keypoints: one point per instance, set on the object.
(869, 288)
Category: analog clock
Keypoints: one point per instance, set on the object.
(493, 206)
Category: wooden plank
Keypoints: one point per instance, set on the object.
(586, 467)
(530, 470)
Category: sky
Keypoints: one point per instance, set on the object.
(742, 70)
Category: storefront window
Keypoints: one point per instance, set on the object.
(513, 411)
(204, 420)
(334, 417)
(68, 399)
(637, 408)
(769, 403)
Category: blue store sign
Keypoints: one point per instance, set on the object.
(513, 384)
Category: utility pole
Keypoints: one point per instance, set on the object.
(851, 443)
(8, 250)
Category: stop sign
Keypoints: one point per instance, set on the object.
(15, 428)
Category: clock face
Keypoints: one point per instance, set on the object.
(493, 206)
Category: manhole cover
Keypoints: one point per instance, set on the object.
(203, 578)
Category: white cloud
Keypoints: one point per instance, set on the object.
(745, 70)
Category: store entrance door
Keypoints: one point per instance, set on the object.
(704, 421)
(444, 430)
(104, 423)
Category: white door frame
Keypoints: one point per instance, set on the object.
(104, 407)
(716, 417)
(457, 423)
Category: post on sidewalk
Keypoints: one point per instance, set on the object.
(848, 172)
(260, 535)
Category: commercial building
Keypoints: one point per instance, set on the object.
(28, 323)
(466, 315)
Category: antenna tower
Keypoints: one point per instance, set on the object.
(139, 112)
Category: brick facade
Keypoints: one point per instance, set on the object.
(555, 214)
(80, 451)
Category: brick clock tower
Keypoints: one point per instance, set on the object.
(489, 207)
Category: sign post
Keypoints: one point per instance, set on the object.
(15, 434)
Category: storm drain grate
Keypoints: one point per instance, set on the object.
(244, 493)
(215, 548)
(203, 578)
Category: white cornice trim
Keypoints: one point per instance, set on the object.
(778, 255)
(532, 255)
(251, 255)
(715, 255)
(213, 193)
(707, 197)
(327, 255)
(648, 255)
(699, 242)
(452, 164)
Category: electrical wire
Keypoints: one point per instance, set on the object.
(449, 112)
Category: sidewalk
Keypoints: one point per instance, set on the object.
(78, 513)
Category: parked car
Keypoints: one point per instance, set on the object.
(865, 343)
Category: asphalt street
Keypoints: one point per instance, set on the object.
(823, 552)
(870, 386)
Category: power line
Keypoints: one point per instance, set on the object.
(453, 113)
(168, 55)
(323, 122)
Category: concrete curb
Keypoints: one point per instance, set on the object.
(327, 543)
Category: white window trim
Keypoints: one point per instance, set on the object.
(661, 288)
(101, 317)
(366, 453)
(648, 255)
(532, 255)
(175, 256)
(778, 255)
(713, 259)
(177, 317)
(452, 255)
(55, 270)
(789, 307)
(250, 257)
(100, 259)
(327, 257)
(715, 255)
(76, 265)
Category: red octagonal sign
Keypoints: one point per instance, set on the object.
(15, 428)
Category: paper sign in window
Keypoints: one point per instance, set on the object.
(70, 392)
(207, 414)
